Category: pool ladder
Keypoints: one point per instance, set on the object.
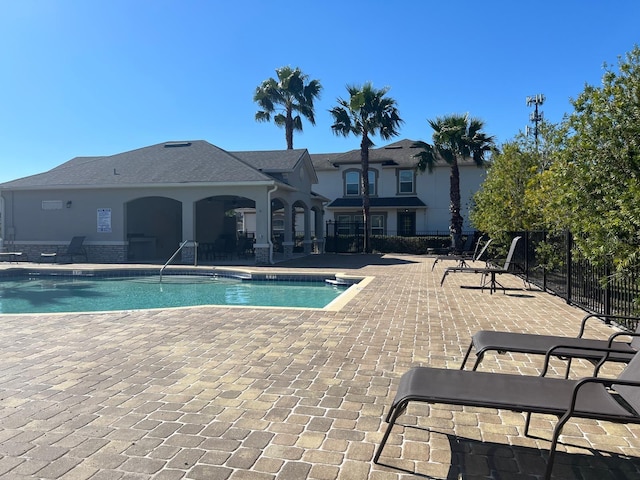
(195, 256)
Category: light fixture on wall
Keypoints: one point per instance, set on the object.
(69, 203)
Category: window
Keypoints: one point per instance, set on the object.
(405, 181)
(352, 183)
(277, 223)
(344, 224)
(377, 224)
(372, 183)
(358, 221)
(352, 224)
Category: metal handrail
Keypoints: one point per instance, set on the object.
(177, 252)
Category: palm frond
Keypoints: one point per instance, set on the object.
(426, 158)
(280, 120)
(293, 93)
(263, 116)
(342, 124)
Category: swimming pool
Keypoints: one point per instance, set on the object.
(49, 293)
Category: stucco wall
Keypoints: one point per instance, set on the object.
(34, 226)
(28, 218)
(431, 188)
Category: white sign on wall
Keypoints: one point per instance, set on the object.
(52, 205)
(104, 220)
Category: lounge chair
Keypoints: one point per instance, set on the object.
(614, 400)
(74, 249)
(490, 270)
(13, 256)
(466, 254)
(489, 340)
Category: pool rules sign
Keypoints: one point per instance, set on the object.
(104, 220)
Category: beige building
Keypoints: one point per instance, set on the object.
(403, 201)
(142, 204)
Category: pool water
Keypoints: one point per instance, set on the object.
(69, 294)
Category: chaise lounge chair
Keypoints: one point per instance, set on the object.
(614, 400)
(13, 256)
(563, 347)
(490, 270)
(74, 249)
(466, 254)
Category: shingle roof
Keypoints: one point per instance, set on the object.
(165, 163)
(325, 161)
(398, 154)
(398, 202)
(272, 160)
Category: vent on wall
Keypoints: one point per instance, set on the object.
(176, 144)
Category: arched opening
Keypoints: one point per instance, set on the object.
(278, 224)
(223, 227)
(153, 228)
(299, 225)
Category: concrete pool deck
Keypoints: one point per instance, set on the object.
(287, 394)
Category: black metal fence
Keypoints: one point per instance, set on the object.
(552, 263)
(547, 261)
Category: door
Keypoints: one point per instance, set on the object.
(406, 224)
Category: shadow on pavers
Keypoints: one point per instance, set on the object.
(476, 459)
(342, 260)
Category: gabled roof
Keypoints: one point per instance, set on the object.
(277, 161)
(272, 160)
(398, 154)
(167, 163)
(325, 161)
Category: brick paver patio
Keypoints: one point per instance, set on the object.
(286, 394)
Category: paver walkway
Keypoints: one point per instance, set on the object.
(285, 394)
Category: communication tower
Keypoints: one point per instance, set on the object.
(536, 116)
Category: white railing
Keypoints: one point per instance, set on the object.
(195, 255)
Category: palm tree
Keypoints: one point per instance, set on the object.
(367, 112)
(455, 138)
(293, 94)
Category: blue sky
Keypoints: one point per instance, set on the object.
(99, 77)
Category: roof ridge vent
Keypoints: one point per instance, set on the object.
(176, 144)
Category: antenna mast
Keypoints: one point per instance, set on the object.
(536, 116)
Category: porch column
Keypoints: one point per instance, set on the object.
(187, 255)
(308, 243)
(288, 240)
(263, 245)
(319, 230)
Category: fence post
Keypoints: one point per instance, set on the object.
(607, 289)
(569, 242)
(545, 236)
(526, 238)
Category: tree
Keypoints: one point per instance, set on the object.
(294, 94)
(509, 198)
(367, 112)
(455, 138)
(594, 189)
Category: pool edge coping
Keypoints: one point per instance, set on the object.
(359, 283)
